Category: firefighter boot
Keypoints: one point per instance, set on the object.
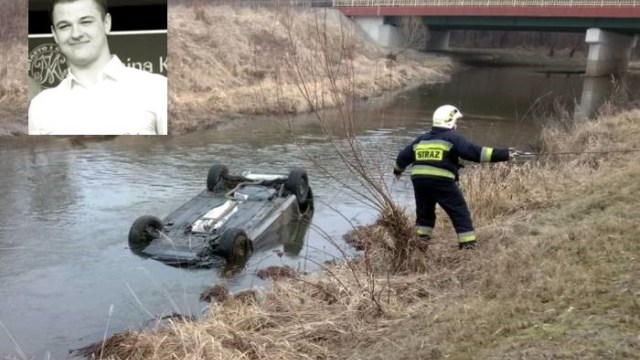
(423, 242)
(470, 245)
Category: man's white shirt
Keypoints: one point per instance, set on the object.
(124, 101)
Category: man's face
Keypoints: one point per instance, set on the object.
(80, 31)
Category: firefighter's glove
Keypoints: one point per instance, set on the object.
(397, 173)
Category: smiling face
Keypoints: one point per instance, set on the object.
(80, 29)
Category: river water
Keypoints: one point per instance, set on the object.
(66, 274)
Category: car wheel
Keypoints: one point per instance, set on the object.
(144, 230)
(298, 184)
(234, 245)
(216, 174)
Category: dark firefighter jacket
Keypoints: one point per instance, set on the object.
(436, 154)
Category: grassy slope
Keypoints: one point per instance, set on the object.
(561, 285)
(236, 60)
(556, 276)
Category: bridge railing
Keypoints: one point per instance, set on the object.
(477, 3)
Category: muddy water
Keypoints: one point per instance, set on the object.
(66, 274)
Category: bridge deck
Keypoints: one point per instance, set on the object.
(521, 8)
(476, 3)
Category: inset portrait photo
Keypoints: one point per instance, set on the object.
(97, 67)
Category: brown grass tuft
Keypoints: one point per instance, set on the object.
(277, 272)
(218, 292)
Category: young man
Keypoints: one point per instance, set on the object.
(100, 95)
(435, 158)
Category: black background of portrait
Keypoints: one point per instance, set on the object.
(126, 15)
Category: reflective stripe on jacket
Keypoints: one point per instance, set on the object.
(437, 153)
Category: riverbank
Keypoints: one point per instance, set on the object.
(555, 276)
(229, 61)
(13, 66)
(13, 89)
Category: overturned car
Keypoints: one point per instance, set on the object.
(224, 220)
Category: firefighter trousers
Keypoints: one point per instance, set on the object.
(431, 191)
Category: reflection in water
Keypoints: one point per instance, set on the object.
(290, 232)
(50, 190)
(294, 235)
(500, 106)
(595, 92)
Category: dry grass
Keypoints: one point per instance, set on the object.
(556, 276)
(13, 88)
(228, 59)
(13, 64)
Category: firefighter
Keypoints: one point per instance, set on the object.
(435, 158)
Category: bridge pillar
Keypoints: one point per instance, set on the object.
(609, 52)
(595, 91)
(380, 31)
(438, 40)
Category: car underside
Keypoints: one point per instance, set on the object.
(225, 219)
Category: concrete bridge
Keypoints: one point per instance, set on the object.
(611, 26)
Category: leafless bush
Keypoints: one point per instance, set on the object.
(414, 31)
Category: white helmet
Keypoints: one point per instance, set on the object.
(446, 116)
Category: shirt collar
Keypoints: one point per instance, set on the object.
(113, 70)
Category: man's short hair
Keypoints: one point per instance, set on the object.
(102, 6)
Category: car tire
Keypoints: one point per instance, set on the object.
(298, 184)
(143, 231)
(234, 245)
(216, 174)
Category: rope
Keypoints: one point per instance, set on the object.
(524, 153)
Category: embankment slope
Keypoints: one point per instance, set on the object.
(556, 276)
(241, 60)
